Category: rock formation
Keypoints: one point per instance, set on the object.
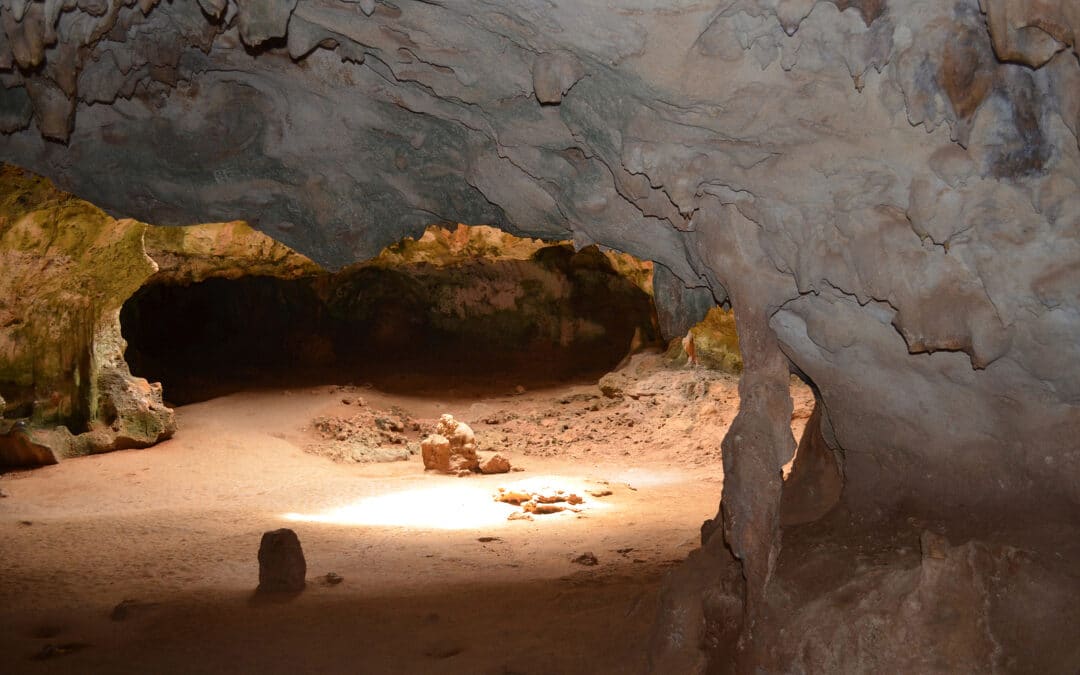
(886, 192)
(451, 448)
(68, 267)
(194, 253)
(496, 463)
(282, 567)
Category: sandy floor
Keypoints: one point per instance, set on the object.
(176, 528)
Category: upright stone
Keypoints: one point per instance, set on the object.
(281, 562)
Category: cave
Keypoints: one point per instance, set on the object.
(485, 319)
(757, 353)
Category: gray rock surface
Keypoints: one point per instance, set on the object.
(889, 192)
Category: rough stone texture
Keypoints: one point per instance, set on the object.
(517, 302)
(191, 254)
(816, 482)
(67, 269)
(1032, 32)
(281, 562)
(451, 449)
(950, 613)
(554, 74)
(678, 307)
(894, 187)
(495, 464)
(716, 341)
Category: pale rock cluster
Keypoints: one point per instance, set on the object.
(452, 449)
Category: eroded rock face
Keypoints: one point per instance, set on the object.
(889, 191)
(194, 253)
(889, 252)
(67, 268)
(951, 610)
(451, 448)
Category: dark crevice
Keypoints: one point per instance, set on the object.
(480, 325)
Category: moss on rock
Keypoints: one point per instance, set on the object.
(192, 253)
(716, 342)
(68, 267)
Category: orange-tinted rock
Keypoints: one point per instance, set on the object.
(451, 449)
(495, 464)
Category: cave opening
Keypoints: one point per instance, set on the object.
(475, 307)
(309, 400)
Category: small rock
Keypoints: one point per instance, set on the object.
(600, 493)
(281, 562)
(542, 509)
(519, 390)
(518, 515)
(389, 424)
(4, 494)
(333, 579)
(495, 464)
(587, 559)
(486, 540)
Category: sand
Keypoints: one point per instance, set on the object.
(436, 579)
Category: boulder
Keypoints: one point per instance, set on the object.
(495, 464)
(451, 449)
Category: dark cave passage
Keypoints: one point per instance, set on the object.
(222, 335)
(476, 324)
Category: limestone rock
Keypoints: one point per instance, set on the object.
(22, 447)
(716, 341)
(68, 267)
(451, 449)
(554, 75)
(495, 464)
(1032, 32)
(816, 481)
(678, 307)
(930, 295)
(906, 618)
(263, 20)
(614, 385)
(435, 451)
(193, 253)
(281, 562)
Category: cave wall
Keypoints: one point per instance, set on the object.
(887, 192)
(907, 172)
(65, 269)
(474, 304)
(893, 187)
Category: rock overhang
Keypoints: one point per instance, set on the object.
(899, 180)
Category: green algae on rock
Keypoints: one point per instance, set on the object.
(68, 267)
(193, 253)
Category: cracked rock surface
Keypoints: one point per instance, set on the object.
(890, 190)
